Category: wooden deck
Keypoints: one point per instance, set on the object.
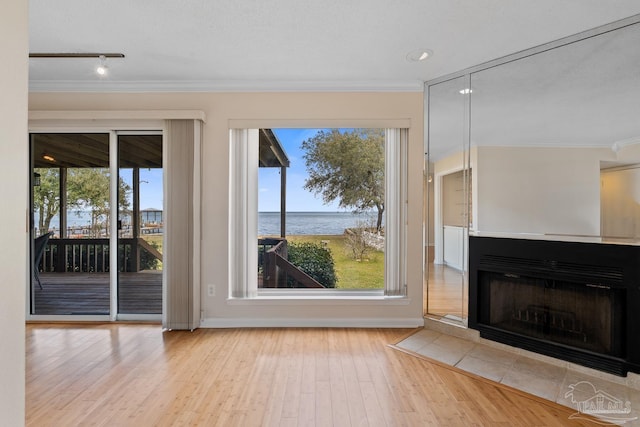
(88, 293)
(141, 293)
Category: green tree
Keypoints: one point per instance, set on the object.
(347, 167)
(46, 197)
(87, 190)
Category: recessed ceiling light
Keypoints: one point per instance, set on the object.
(49, 158)
(419, 55)
(465, 91)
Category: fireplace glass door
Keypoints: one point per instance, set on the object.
(581, 315)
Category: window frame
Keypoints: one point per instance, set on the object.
(243, 220)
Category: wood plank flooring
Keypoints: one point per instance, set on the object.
(138, 375)
(446, 294)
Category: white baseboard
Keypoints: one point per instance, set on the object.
(313, 323)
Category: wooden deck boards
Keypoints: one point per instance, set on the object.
(141, 293)
(88, 293)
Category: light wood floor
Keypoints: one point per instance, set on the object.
(446, 294)
(137, 375)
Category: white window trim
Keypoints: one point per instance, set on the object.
(243, 237)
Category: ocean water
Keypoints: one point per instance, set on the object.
(299, 223)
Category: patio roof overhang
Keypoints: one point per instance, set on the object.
(91, 150)
(272, 154)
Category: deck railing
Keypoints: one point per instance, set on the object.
(92, 255)
(275, 268)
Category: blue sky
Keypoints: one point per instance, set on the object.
(298, 199)
(150, 187)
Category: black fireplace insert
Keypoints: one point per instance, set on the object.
(578, 302)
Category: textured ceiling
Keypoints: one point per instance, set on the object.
(292, 44)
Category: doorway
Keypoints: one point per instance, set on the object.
(86, 220)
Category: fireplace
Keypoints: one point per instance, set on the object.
(579, 302)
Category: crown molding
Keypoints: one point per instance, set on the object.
(619, 145)
(117, 115)
(227, 86)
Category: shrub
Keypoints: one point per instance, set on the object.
(313, 259)
(357, 241)
(147, 260)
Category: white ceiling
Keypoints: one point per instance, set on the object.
(292, 44)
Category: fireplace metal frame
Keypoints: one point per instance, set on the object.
(612, 265)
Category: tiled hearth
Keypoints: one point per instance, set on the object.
(542, 376)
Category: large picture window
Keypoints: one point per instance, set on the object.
(317, 212)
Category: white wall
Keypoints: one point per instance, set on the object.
(278, 110)
(518, 190)
(629, 153)
(13, 215)
(621, 202)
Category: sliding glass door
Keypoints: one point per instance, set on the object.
(140, 224)
(74, 224)
(70, 224)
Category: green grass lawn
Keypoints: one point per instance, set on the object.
(352, 274)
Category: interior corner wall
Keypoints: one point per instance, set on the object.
(14, 166)
(518, 191)
(278, 110)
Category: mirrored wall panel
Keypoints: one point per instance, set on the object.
(448, 195)
(544, 144)
(556, 140)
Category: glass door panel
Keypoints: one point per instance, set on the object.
(140, 224)
(70, 224)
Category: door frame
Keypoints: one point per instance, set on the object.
(113, 127)
(114, 168)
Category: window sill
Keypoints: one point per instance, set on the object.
(323, 297)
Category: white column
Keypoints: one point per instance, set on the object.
(14, 167)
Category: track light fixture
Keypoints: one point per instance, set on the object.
(68, 55)
(101, 68)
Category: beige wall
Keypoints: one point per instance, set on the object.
(272, 110)
(539, 190)
(621, 203)
(13, 215)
